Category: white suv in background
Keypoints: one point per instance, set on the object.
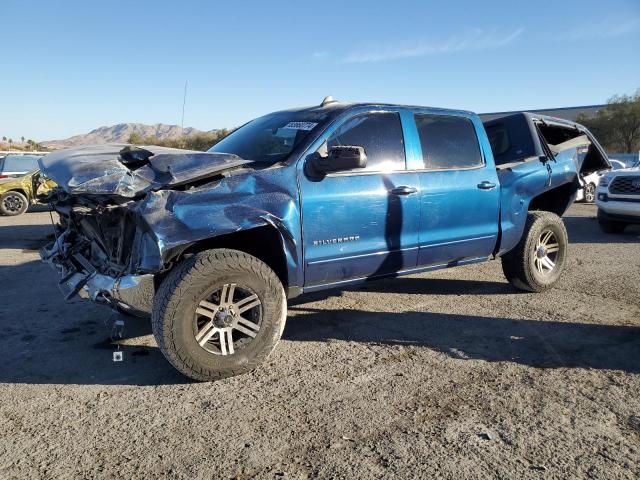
(588, 186)
(618, 199)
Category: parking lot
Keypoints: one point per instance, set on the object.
(451, 373)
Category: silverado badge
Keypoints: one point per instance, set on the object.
(330, 241)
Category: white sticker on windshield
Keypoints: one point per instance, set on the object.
(300, 125)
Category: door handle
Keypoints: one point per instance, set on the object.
(404, 190)
(486, 185)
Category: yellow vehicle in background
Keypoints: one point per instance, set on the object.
(16, 194)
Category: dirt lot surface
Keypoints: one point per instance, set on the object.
(449, 374)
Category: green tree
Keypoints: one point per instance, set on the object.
(22, 139)
(200, 141)
(4, 139)
(135, 138)
(617, 127)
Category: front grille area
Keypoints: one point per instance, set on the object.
(625, 185)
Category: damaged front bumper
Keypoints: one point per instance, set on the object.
(130, 293)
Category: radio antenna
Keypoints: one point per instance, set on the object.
(184, 101)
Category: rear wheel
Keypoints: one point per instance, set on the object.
(220, 313)
(13, 203)
(610, 226)
(536, 263)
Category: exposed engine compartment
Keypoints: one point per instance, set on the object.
(110, 234)
(98, 252)
(102, 190)
(104, 233)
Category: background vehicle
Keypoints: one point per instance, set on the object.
(211, 244)
(618, 199)
(15, 164)
(588, 184)
(624, 160)
(617, 164)
(16, 194)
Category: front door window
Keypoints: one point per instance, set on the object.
(381, 136)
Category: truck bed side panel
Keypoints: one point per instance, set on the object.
(522, 183)
(523, 146)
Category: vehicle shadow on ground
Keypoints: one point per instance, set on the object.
(415, 286)
(531, 342)
(26, 237)
(586, 230)
(47, 340)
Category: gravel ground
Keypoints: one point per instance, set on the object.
(450, 374)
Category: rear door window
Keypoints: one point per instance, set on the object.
(20, 163)
(448, 142)
(381, 136)
(498, 139)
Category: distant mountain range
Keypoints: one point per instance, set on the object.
(120, 134)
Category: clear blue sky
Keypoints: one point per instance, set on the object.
(71, 66)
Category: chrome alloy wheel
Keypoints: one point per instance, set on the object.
(228, 320)
(12, 202)
(546, 252)
(589, 193)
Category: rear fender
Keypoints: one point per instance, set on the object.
(530, 186)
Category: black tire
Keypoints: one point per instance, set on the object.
(192, 283)
(524, 266)
(129, 314)
(610, 226)
(13, 203)
(589, 193)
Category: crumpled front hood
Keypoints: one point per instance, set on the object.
(128, 171)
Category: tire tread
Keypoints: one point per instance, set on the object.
(515, 264)
(176, 286)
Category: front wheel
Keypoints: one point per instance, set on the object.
(219, 313)
(13, 203)
(536, 263)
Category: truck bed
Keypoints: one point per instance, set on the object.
(539, 161)
(523, 137)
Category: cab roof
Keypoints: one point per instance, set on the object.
(336, 107)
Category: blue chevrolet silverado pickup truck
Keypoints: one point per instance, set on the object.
(211, 244)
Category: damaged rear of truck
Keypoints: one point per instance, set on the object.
(211, 244)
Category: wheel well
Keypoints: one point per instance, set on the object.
(557, 200)
(262, 242)
(19, 190)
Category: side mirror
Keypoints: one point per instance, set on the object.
(340, 158)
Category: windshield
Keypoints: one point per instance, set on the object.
(270, 138)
